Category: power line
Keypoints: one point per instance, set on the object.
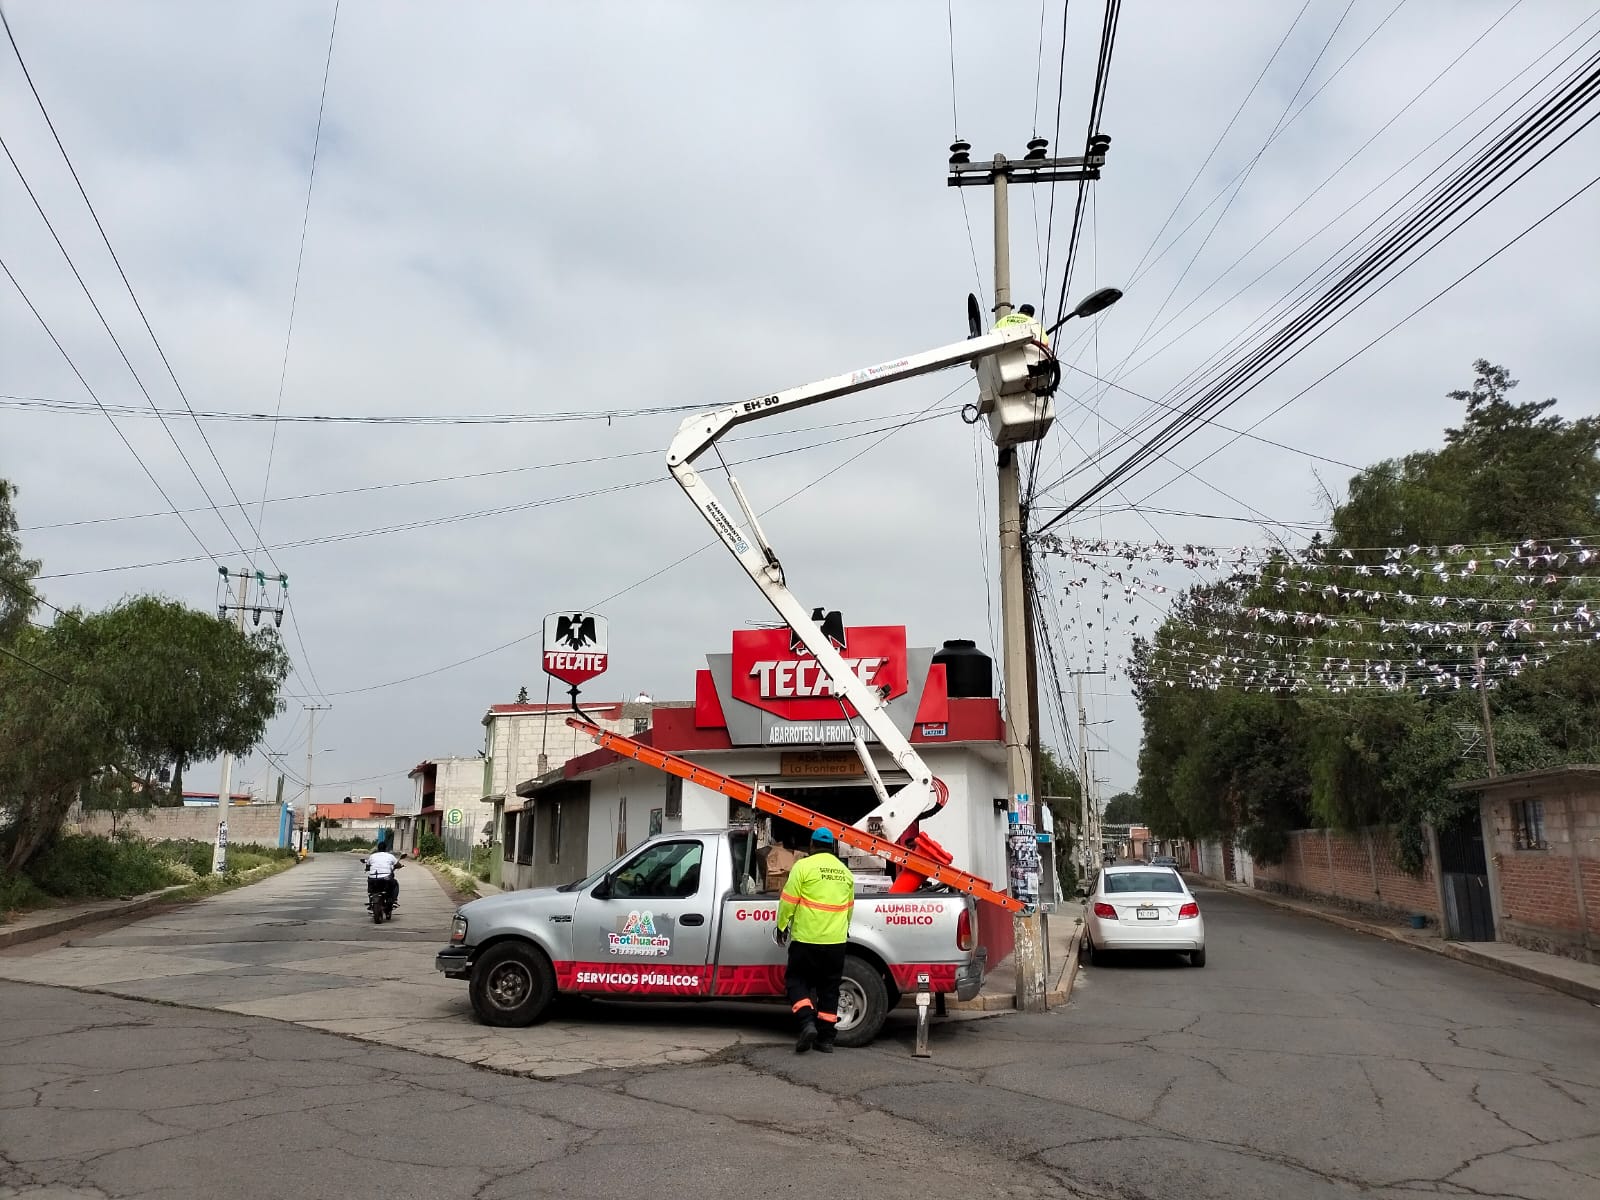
(1243, 179)
(1311, 195)
(1287, 301)
(677, 562)
(473, 475)
(1462, 278)
(128, 362)
(502, 510)
(398, 419)
(39, 667)
(143, 466)
(126, 282)
(1097, 100)
(1374, 268)
(1134, 275)
(294, 296)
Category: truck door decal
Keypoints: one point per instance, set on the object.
(625, 979)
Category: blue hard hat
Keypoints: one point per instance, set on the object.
(822, 835)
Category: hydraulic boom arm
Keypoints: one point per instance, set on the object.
(1009, 362)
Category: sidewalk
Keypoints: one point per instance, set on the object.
(1567, 975)
(1000, 987)
(46, 922)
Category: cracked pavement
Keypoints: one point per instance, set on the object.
(1304, 1061)
(300, 947)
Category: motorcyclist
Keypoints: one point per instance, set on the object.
(381, 866)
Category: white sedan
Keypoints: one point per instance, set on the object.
(1143, 908)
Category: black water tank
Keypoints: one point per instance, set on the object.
(968, 670)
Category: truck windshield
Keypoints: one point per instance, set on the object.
(579, 884)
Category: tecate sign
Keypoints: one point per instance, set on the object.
(793, 685)
(574, 646)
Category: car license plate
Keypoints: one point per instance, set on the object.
(1148, 914)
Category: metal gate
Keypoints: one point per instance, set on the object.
(1468, 912)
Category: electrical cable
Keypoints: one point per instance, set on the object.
(653, 452)
(299, 262)
(1383, 264)
(1296, 294)
(677, 562)
(143, 466)
(500, 510)
(1122, 368)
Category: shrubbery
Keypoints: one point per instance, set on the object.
(84, 867)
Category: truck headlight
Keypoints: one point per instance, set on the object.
(458, 930)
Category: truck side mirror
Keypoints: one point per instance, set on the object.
(602, 890)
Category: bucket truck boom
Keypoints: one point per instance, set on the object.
(1016, 374)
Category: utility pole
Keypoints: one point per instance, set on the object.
(219, 852)
(1089, 812)
(1017, 663)
(311, 736)
(1483, 699)
(226, 605)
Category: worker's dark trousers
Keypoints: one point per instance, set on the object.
(811, 982)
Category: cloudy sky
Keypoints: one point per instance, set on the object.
(544, 209)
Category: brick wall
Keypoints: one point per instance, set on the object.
(1550, 894)
(1357, 870)
(257, 824)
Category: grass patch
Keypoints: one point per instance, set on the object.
(82, 867)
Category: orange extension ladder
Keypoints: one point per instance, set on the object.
(909, 859)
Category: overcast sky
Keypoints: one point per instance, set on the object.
(543, 208)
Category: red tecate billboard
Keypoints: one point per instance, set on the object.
(791, 684)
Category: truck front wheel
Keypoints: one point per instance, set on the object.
(512, 985)
(863, 1002)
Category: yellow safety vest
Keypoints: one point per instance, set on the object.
(1017, 318)
(817, 899)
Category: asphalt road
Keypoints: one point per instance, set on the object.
(1304, 1061)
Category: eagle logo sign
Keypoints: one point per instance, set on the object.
(574, 646)
(575, 631)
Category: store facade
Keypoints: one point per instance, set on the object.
(765, 713)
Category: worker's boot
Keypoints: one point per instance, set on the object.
(807, 1038)
(827, 1031)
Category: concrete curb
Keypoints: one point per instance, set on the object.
(1456, 950)
(114, 909)
(1006, 1002)
(63, 924)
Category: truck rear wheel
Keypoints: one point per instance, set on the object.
(512, 985)
(863, 1002)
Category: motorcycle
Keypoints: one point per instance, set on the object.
(380, 897)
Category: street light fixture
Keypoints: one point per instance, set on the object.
(1094, 302)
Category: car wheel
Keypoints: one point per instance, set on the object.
(512, 985)
(863, 1003)
(1091, 956)
(1197, 958)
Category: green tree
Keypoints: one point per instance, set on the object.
(17, 601)
(1255, 764)
(1124, 808)
(104, 700)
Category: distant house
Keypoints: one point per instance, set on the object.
(445, 786)
(209, 799)
(363, 815)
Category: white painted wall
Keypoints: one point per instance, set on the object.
(969, 828)
(1245, 865)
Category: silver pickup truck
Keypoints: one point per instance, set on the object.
(683, 916)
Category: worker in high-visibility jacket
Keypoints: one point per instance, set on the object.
(814, 918)
(1023, 315)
